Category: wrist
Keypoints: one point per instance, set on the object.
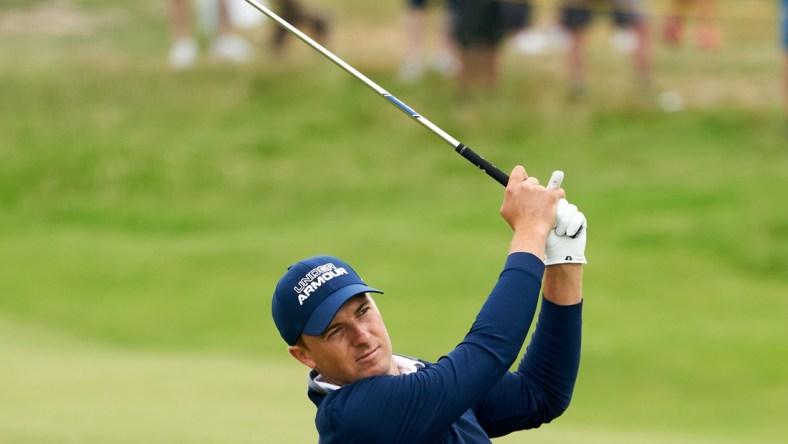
(529, 242)
(563, 284)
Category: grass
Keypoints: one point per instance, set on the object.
(145, 216)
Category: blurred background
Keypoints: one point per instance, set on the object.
(157, 178)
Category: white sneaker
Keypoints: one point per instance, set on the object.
(411, 70)
(444, 63)
(231, 48)
(530, 41)
(625, 41)
(183, 53)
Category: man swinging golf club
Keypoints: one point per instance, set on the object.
(366, 394)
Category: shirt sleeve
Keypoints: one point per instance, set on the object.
(422, 406)
(541, 388)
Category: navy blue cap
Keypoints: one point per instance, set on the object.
(310, 293)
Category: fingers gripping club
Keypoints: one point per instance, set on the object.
(569, 221)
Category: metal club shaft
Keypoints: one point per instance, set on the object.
(490, 169)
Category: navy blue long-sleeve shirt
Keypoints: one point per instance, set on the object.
(469, 396)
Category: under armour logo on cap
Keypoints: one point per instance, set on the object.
(310, 293)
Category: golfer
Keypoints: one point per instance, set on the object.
(366, 394)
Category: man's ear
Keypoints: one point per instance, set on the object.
(302, 355)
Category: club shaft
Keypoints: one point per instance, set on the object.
(462, 149)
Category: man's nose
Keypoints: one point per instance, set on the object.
(360, 332)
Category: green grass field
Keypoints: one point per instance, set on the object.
(146, 214)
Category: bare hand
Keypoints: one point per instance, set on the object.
(530, 210)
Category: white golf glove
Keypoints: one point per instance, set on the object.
(566, 242)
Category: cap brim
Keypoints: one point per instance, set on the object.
(320, 319)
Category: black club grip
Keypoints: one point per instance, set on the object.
(483, 164)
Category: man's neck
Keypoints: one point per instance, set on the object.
(401, 365)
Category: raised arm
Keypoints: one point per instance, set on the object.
(422, 406)
(541, 388)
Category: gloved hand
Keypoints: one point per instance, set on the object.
(566, 242)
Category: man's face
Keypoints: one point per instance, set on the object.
(355, 345)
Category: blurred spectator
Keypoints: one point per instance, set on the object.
(293, 12)
(226, 45)
(630, 19)
(707, 36)
(479, 27)
(542, 37)
(444, 59)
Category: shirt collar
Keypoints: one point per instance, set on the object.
(405, 365)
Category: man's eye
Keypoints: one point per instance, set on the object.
(363, 311)
(333, 332)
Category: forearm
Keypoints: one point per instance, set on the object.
(563, 284)
(528, 242)
(552, 359)
(541, 388)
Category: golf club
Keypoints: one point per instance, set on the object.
(461, 148)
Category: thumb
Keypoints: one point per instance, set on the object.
(555, 180)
